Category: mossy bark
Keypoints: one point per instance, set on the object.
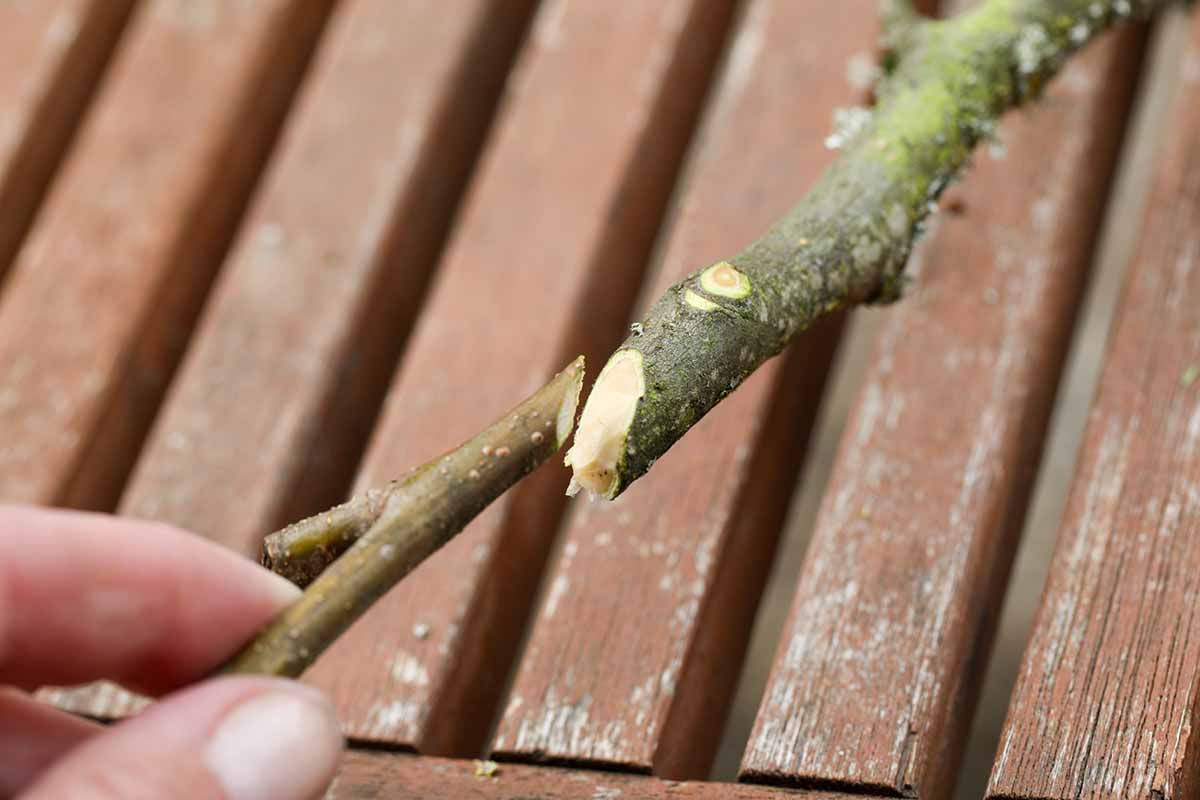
(386, 533)
(945, 85)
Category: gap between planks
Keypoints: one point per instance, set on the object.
(875, 680)
(97, 308)
(1106, 702)
(544, 262)
(44, 95)
(639, 639)
(399, 776)
(312, 305)
(1080, 376)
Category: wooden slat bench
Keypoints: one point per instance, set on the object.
(254, 256)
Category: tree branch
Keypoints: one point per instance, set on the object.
(386, 533)
(845, 243)
(903, 26)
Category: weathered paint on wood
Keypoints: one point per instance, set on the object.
(543, 265)
(277, 395)
(278, 390)
(400, 776)
(101, 297)
(1107, 702)
(876, 676)
(52, 54)
(639, 640)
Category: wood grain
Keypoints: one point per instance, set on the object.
(639, 640)
(400, 776)
(52, 55)
(1107, 702)
(542, 266)
(876, 675)
(104, 291)
(299, 341)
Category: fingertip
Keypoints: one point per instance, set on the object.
(278, 588)
(282, 743)
(142, 603)
(239, 738)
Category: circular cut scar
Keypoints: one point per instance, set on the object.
(723, 280)
(725, 276)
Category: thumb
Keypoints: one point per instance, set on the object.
(230, 738)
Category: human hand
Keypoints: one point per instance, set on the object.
(86, 596)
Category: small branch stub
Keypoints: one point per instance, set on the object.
(386, 533)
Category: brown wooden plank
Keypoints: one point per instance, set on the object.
(542, 266)
(298, 342)
(52, 54)
(1107, 702)
(399, 776)
(103, 293)
(876, 675)
(639, 640)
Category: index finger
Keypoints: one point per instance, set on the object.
(87, 596)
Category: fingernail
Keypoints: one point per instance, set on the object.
(278, 589)
(282, 590)
(281, 744)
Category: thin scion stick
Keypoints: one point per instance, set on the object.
(404, 523)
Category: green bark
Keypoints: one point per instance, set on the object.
(945, 85)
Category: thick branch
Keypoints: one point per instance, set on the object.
(846, 242)
(401, 525)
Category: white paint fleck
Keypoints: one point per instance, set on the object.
(62, 30)
(408, 670)
(744, 54)
(395, 718)
(1042, 213)
(270, 235)
(558, 588)
(548, 31)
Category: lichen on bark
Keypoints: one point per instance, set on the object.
(945, 85)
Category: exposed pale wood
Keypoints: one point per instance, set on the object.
(1107, 703)
(639, 640)
(52, 54)
(399, 776)
(544, 262)
(876, 675)
(103, 293)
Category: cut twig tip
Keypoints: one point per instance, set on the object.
(352, 554)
